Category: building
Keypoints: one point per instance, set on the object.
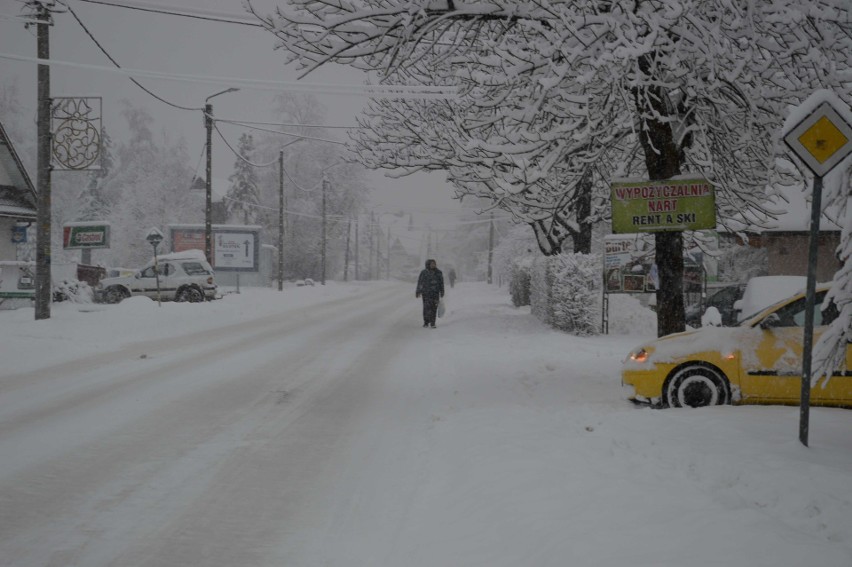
(17, 215)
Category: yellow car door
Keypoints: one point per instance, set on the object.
(772, 358)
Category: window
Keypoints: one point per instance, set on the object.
(793, 315)
(194, 269)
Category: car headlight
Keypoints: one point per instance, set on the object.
(639, 355)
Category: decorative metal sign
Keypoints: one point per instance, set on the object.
(76, 128)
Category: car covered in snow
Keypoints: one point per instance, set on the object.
(183, 276)
(758, 361)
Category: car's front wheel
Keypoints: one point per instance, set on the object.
(190, 294)
(695, 386)
(115, 294)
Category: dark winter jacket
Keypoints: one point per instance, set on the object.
(431, 282)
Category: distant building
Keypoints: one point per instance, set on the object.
(786, 242)
(17, 214)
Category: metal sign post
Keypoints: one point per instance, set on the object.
(821, 140)
(154, 237)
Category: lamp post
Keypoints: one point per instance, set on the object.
(208, 204)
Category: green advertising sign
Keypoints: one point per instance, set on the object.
(78, 236)
(667, 205)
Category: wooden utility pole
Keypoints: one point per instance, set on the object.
(346, 255)
(370, 259)
(490, 245)
(388, 263)
(43, 228)
(357, 243)
(324, 191)
(280, 220)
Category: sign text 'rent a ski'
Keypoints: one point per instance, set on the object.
(667, 205)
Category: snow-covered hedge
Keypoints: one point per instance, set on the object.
(565, 292)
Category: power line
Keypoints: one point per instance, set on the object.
(114, 62)
(425, 93)
(247, 123)
(301, 136)
(196, 13)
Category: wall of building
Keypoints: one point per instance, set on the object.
(7, 247)
(788, 255)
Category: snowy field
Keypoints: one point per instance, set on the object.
(324, 427)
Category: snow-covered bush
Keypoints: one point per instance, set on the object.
(74, 291)
(519, 284)
(513, 260)
(565, 292)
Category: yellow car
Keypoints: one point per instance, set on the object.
(757, 362)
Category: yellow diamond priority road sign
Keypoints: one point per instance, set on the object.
(821, 140)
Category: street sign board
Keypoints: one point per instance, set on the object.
(665, 205)
(821, 140)
(76, 236)
(629, 265)
(235, 250)
(154, 237)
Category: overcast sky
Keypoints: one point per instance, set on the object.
(187, 46)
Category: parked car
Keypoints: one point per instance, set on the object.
(759, 361)
(184, 276)
(723, 299)
(762, 291)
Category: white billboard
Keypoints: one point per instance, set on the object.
(235, 250)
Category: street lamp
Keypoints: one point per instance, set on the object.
(208, 205)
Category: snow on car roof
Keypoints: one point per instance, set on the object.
(764, 291)
(192, 254)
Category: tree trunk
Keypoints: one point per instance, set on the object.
(662, 159)
(583, 238)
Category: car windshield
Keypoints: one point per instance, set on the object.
(795, 311)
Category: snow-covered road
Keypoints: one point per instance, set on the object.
(217, 448)
(332, 429)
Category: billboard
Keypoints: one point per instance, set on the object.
(629, 266)
(667, 205)
(234, 248)
(81, 235)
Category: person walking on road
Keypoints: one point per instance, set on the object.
(452, 276)
(430, 285)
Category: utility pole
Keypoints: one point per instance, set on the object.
(490, 245)
(280, 220)
(370, 259)
(324, 190)
(357, 242)
(208, 189)
(346, 255)
(208, 203)
(388, 264)
(43, 277)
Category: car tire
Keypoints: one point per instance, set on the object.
(696, 385)
(115, 294)
(190, 295)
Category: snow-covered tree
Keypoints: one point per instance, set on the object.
(316, 152)
(93, 200)
(554, 92)
(243, 198)
(148, 186)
